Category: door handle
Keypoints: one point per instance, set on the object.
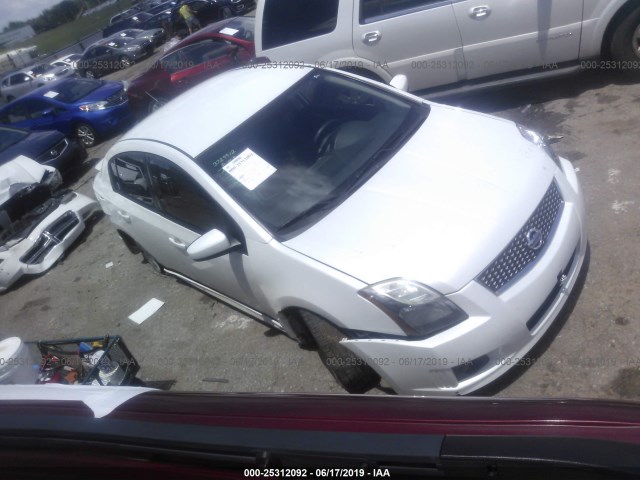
(124, 216)
(178, 243)
(370, 38)
(480, 13)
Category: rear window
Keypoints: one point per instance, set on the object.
(289, 21)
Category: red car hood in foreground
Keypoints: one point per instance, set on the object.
(195, 435)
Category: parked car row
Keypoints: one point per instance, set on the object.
(86, 109)
(166, 15)
(90, 110)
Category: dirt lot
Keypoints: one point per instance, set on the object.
(204, 345)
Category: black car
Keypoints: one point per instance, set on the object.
(207, 11)
(113, 54)
(48, 147)
(134, 21)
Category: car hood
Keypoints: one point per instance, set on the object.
(101, 93)
(441, 209)
(19, 174)
(32, 145)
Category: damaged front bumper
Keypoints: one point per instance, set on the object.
(47, 241)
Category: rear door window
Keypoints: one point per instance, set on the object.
(373, 10)
(289, 21)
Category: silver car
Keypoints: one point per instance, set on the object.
(23, 81)
(424, 244)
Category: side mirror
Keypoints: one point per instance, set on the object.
(209, 245)
(400, 82)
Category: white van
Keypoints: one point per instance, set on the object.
(452, 43)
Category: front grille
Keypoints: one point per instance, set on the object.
(519, 254)
(52, 236)
(117, 99)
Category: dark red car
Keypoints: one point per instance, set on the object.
(212, 50)
(130, 433)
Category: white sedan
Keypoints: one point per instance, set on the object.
(424, 244)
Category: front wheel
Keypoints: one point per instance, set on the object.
(625, 44)
(347, 368)
(86, 134)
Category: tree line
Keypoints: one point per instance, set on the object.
(64, 12)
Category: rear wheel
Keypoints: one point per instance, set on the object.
(226, 12)
(347, 368)
(86, 134)
(625, 44)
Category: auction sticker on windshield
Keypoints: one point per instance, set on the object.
(249, 168)
(229, 31)
(51, 94)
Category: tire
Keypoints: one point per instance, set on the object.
(625, 44)
(86, 134)
(150, 259)
(226, 13)
(125, 62)
(349, 370)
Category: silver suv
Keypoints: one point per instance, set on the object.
(452, 43)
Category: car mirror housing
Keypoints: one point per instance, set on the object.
(209, 245)
(401, 82)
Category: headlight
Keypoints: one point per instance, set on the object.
(417, 309)
(537, 139)
(92, 107)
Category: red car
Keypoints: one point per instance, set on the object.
(212, 50)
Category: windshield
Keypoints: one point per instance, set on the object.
(306, 151)
(75, 89)
(10, 136)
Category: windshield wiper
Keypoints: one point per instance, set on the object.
(327, 204)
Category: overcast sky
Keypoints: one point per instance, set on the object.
(20, 10)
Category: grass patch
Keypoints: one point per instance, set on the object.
(65, 35)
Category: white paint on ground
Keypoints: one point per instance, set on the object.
(620, 207)
(613, 176)
(233, 322)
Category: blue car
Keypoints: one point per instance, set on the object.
(87, 109)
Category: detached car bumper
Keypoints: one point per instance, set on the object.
(46, 243)
(502, 327)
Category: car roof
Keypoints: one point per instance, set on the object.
(207, 112)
